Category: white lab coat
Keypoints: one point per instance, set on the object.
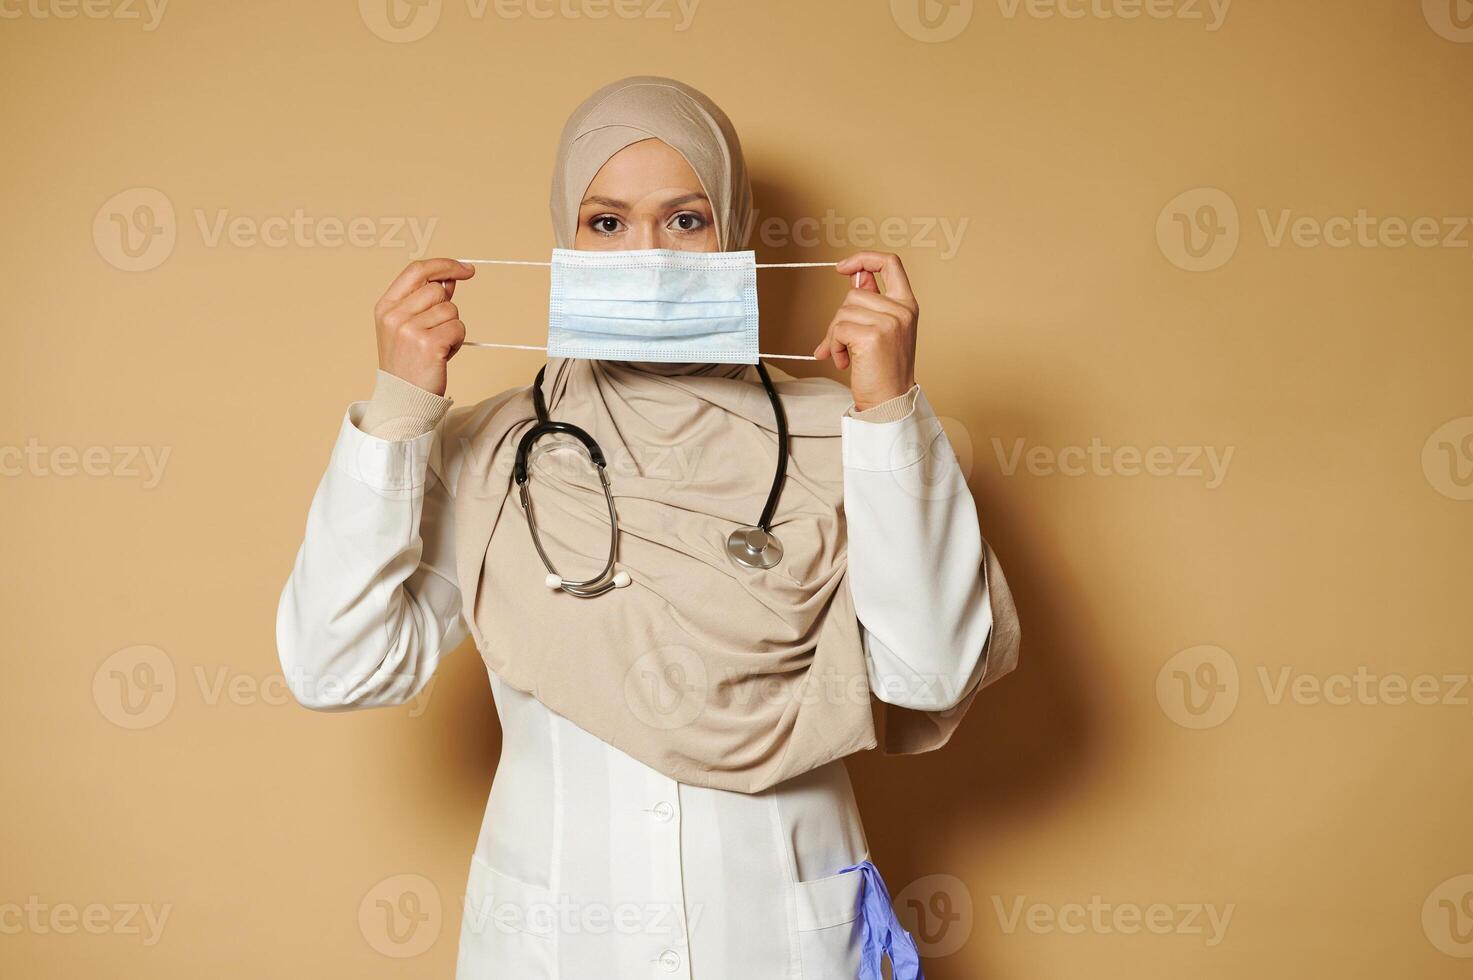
(591, 864)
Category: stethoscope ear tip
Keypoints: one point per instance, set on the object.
(554, 581)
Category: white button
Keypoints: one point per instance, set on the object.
(670, 960)
(663, 811)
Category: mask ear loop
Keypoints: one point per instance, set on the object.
(759, 265)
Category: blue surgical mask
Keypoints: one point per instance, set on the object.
(654, 305)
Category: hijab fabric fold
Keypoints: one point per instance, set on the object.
(711, 673)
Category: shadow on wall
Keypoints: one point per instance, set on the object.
(1022, 743)
(460, 742)
(1021, 748)
(1026, 739)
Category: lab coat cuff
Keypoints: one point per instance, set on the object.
(889, 446)
(394, 467)
(402, 410)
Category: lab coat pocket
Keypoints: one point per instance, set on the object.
(829, 926)
(507, 931)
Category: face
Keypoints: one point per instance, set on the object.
(646, 196)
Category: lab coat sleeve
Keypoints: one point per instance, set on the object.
(372, 601)
(916, 558)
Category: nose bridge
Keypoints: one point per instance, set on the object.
(644, 232)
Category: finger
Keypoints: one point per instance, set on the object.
(843, 333)
(828, 347)
(864, 309)
(448, 337)
(824, 348)
(416, 274)
(442, 341)
(846, 338)
(863, 279)
(434, 316)
(888, 266)
(859, 325)
(429, 295)
(831, 348)
(859, 299)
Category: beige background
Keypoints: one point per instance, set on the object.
(1146, 754)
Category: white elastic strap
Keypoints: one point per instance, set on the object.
(500, 262)
(760, 265)
(770, 265)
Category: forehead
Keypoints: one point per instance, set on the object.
(643, 169)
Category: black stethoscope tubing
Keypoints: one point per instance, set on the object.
(753, 547)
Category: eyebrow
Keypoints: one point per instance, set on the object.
(610, 202)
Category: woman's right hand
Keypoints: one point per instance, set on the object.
(419, 329)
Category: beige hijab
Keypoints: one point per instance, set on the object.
(710, 673)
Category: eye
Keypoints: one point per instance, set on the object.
(606, 224)
(688, 221)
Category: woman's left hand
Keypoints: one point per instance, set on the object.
(874, 333)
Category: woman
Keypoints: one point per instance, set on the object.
(670, 800)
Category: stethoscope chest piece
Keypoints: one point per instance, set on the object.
(752, 547)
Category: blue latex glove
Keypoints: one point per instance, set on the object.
(883, 934)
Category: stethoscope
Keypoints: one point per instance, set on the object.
(754, 547)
